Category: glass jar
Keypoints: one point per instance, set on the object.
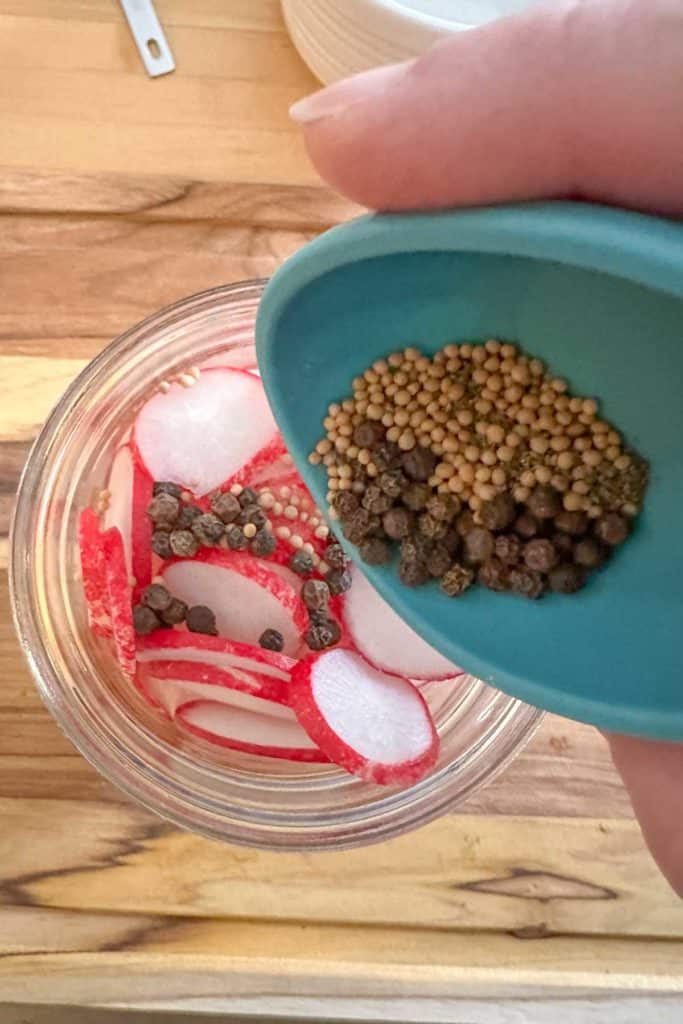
(223, 794)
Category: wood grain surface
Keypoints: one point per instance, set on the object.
(536, 901)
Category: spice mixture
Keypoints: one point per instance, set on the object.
(240, 519)
(482, 466)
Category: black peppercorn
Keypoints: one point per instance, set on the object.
(188, 514)
(412, 573)
(368, 434)
(527, 582)
(566, 578)
(415, 496)
(508, 548)
(431, 528)
(320, 636)
(225, 506)
(498, 513)
(478, 545)
(589, 553)
(271, 640)
(235, 538)
(494, 575)
(526, 526)
(166, 487)
(442, 509)
(438, 561)
(397, 523)
(544, 502)
(539, 555)
(563, 544)
(164, 509)
(252, 514)
(201, 619)
(345, 503)
(611, 529)
(145, 621)
(315, 594)
(339, 581)
(156, 597)
(374, 551)
(392, 482)
(161, 544)
(301, 563)
(387, 456)
(247, 497)
(465, 522)
(263, 543)
(183, 543)
(361, 524)
(175, 613)
(376, 501)
(208, 529)
(335, 557)
(419, 463)
(451, 541)
(573, 523)
(457, 580)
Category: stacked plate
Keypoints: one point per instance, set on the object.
(337, 38)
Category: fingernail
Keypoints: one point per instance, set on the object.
(337, 98)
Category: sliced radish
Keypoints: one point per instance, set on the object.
(210, 435)
(91, 550)
(170, 684)
(245, 594)
(119, 595)
(130, 492)
(279, 473)
(375, 725)
(171, 644)
(386, 640)
(239, 729)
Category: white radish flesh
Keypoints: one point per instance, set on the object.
(207, 435)
(239, 729)
(246, 596)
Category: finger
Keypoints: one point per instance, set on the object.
(653, 773)
(581, 99)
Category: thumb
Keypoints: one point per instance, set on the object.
(584, 98)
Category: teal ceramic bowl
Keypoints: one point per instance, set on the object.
(598, 294)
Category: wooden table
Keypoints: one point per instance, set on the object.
(537, 901)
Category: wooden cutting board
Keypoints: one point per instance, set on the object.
(537, 900)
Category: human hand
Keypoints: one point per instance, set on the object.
(581, 99)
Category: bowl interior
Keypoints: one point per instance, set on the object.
(609, 656)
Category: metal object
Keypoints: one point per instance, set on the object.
(149, 36)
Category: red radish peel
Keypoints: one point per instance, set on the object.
(239, 729)
(171, 644)
(170, 684)
(91, 550)
(119, 595)
(375, 725)
(130, 492)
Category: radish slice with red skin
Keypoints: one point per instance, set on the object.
(119, 597)
(245, 594)
(91, 550)
(375, 725)
(239, 729)
(171, 684)
(381, 636)
(170, 644)
(130, 492)
(211, 435)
